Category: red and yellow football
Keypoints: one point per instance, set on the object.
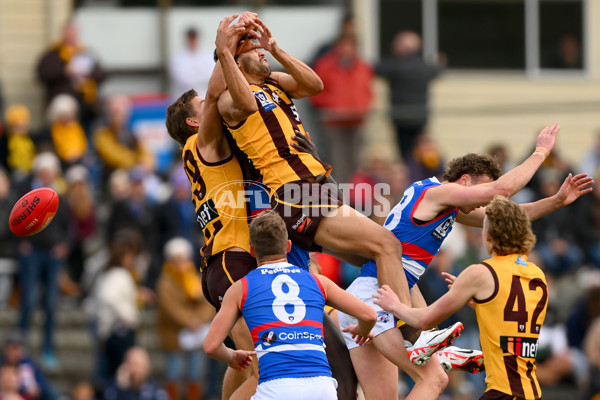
(33, 212)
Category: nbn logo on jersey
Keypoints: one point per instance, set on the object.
(206, 213)
(519, 346)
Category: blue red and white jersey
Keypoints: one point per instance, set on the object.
(283, 307)
(258, 201)
(421, 240)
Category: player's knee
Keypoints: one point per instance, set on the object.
(437, 379)
(388, 243)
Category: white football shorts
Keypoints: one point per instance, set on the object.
(314, 388)
(363, 287)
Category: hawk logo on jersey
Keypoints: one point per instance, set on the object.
(269, 338)
(266, 104)
(519, 346)
(206, 213)
(442, 230)
(275, 96)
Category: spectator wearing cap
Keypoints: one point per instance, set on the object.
(191, 67)
(31, 382)
(20, 147)
(42, 256)
(183, 319)
(116, 145)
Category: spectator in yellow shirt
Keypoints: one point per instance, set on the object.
(21, 149)
(116, 146)
(68, 137)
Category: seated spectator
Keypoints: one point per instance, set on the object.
(82, 215)
(20, 147)
(591, 348)
(116, 308)
(556, 234)
(135, 211)
(132, 382)
(116, 145)
(31, 381)
(8, 241)
(68, 137)
(183, 319)
(9, 383)
(556, 362)
(83, 390)
(173, 216)
(590, 160)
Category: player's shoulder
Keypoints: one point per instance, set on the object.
(191, 142)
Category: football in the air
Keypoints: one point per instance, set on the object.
(33, 212)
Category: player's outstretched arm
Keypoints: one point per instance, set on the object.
(238, 102)
(349, 304)
(455, 195)
(474, 282)
(572, 188)
(220, 328)
(302, 81)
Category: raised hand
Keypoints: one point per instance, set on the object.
(573, 187)
(449, 278)
(547, 137)
(228, 36)
(266, 39)
(386, 298)
(359, 339)
(241, 359)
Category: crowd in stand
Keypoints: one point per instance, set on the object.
(125, 236)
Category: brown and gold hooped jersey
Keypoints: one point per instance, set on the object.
(509, 323)
(266, 135)
(219, 200)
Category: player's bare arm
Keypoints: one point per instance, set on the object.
(301, 81)
(474, 282)
(572, 188)
(237, 103)
(349, 304)
(220, 328)
(465, 194)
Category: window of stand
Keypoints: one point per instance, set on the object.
(561, 35)
(531, 36)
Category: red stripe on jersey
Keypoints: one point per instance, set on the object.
(254, 213)
(416, 253)
(244, 294)
(320, 286)
(277, 324)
